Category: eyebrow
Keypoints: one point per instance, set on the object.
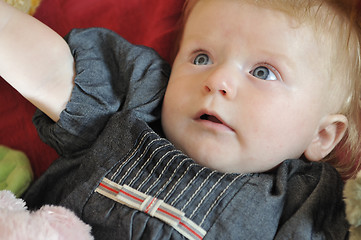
(282, 61)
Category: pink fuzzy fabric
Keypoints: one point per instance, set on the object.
(48, 223)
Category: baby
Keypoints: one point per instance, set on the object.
(259, 96)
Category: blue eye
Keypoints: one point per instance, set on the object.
(202, 59)
(264, 73)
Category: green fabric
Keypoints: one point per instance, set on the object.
(15, 171)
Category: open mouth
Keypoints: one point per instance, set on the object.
(211, 118)
(213, 121)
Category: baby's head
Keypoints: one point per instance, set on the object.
(256, 82)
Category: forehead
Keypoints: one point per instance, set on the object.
(231, 16)
(233, 22)
(325, 16)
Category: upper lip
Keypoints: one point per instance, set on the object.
(211, 116)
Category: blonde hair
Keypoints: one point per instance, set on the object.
(339, 20)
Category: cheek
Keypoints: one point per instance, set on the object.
(179, 94)
(291, 130)
(166, 120)
(171, 101)
(172, 109)
(278, 121)
(167, 109)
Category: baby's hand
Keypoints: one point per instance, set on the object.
(15, 171)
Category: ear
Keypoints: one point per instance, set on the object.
(331, 130)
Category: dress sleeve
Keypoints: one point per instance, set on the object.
(111, 75)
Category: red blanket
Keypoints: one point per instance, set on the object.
(147, 22)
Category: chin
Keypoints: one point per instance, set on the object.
(211, 162)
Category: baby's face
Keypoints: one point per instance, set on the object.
(248, 87)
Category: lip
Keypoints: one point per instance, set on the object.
(212, 120)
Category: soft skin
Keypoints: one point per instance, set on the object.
(249, 88)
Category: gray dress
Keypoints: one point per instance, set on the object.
(119, 174)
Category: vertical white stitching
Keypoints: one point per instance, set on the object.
(205, 196)
(219, 197)
(130, 156)
(136, 161)
(170, 179)
(148, 160)
(197, 191)
(161, 174)
(191, 182)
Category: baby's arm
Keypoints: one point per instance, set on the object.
(35, 60)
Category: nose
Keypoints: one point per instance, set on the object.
(221, 81)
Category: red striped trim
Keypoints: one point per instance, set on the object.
(109, 188)
(169, 214)
(132, 196)
(191, 230)
(150, 204)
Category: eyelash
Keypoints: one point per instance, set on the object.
(198, 52)
(272, 68)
